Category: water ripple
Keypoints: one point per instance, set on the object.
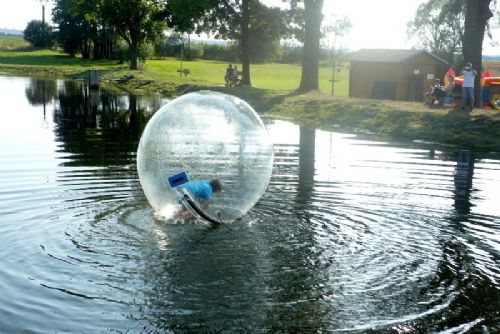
(360, 236)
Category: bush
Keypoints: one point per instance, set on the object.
(291, 55)
(195, 51)
(121, 52)
(222, 52)
(164, 49)
(145, 52)
(38, 34)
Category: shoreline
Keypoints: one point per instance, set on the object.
(398, 120)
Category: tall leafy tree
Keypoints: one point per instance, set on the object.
(78, 25)
(81, 28)
(69, 32)
(183, 16)
(476, 19)
(136, 21)
(253, 25)
(39, 34)
(439, 27)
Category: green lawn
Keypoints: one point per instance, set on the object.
(265, 76)
(50, 58)
(12, 42)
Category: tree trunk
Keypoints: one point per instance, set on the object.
(245, 43)
(134, 51)
(477, 15)
(310, 61)
(85, 49)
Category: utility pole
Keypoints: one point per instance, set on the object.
(334, 60)
(43, 2)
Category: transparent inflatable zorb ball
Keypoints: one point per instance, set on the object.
(207, 135)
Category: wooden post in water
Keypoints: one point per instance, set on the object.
(93, 78)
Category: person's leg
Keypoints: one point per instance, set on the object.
(471, 93)
(470, 97)
(447, 100)
(464, 97)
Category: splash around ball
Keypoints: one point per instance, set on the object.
(205, 147)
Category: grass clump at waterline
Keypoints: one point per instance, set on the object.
(273, 93)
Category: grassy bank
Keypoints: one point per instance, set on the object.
(479, 130)
(273, 94)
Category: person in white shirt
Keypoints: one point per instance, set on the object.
(235, 76)
(468, 86)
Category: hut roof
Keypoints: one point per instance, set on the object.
(389, 55)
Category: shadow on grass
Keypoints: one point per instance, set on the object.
(262, 100)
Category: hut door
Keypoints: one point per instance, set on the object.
(384, 90)
(415, 85)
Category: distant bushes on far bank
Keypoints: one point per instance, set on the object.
(227, 52)
(193, 51)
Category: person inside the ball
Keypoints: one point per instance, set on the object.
(203, 190)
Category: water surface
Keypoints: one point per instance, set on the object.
(353, 234)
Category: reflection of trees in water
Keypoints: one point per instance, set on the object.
(306, 163)
(471, 295)
(463, 181)
(100, 128)
(298, 287)
(40, 92)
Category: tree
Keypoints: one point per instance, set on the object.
(312, 33)
(254, 26)
(183, 16)
(136, 21)
(81, 28)
(39, 34)
(439, 27)
(476, 19)
(333, 31)
(75, 30)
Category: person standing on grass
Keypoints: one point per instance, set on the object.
(448, 87)
(468, 86)
(228, 77)
(235, 76)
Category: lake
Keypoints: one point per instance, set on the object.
(353, 233)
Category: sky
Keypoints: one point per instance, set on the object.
(375, 24)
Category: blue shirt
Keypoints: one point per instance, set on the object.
(200, 189)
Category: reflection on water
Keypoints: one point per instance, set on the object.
(352, 235)
(463, 181)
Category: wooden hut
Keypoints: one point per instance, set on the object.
(404, 75)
